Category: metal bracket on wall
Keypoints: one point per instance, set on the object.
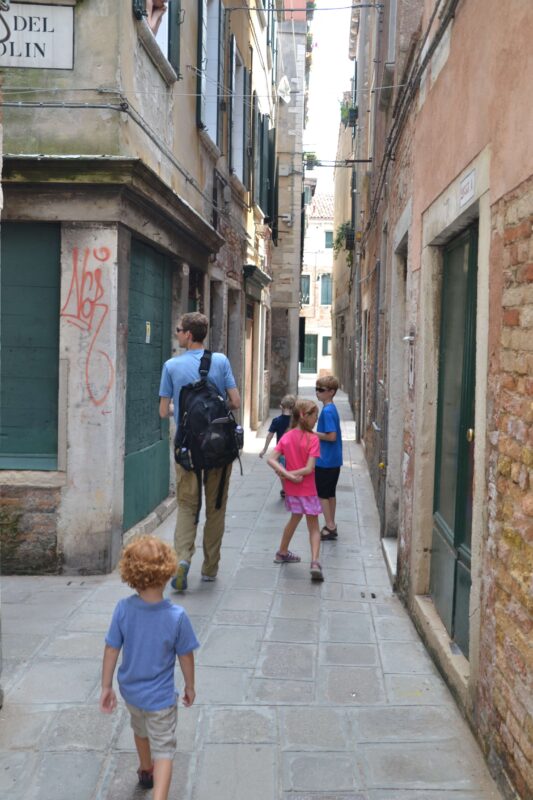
(139, 8)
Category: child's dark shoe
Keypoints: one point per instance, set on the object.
(328, 534)
(316, 571)
(146, 778)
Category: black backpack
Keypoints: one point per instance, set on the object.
(208, 435)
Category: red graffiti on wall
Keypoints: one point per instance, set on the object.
(85, 307)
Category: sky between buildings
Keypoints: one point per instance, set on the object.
(331, 74)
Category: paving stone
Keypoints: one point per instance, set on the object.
(416, 690)
(431, 765)
(243, 725)
(246, 600)
(344, 627)
(197, 603)
(63, 776)
(221, 685)
(280, 692)
(349, 606)
(405, 723)
(16, 771)
(324, 796)
(338, 575)
(79, 728)
(22, 726)
(320, 771)
(361, 655)
(236, 772)
(227, 617)
(408, 657)
(350, 685)
(395, 628)
(296, 607)
(314, 728)
(74, 645)
(286, 661)
(54, 681)
(255, 578)
(18, 647)
(398, 794)
(230, 647)
(97, 623)
(292, 630)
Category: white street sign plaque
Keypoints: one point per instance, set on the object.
(37, 36)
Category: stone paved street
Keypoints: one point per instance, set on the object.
(304, 691)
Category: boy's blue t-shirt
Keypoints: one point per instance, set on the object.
(279, 425)
(330, 452)
(151, 635)
(181, 370)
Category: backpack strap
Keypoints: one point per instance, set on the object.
(205, 364)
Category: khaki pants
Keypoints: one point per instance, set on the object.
(185, 533)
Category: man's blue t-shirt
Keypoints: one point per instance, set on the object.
(330, 452)
(151, 635)
(181, 370)
(279, 425)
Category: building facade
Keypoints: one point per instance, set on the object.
(442, 372)
(138, 181)
(316, 285)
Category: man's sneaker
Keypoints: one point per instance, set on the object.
(146, 778)
(179, 583)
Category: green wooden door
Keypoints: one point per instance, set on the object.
(454, 464)
(29, 364)
(310, 352)
(146, 465)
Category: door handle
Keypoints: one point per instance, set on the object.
(470, 435)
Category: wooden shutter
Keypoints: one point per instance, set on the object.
(231, 87)
(174, 33)
(247, 143)
(29, 378)
(265, 172)
(201, 83)
(221, 88)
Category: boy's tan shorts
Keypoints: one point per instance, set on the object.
(159, 727)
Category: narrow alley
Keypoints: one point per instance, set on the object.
(304, 691)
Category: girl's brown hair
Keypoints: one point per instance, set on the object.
(147, 562)
(300, 414)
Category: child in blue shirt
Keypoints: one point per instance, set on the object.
(328, 466)
(279, 426)
(151, 632)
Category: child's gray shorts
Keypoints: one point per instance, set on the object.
(157, 726)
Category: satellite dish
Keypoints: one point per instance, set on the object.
(284, 90)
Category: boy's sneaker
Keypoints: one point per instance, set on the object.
(146, 778)
(179, 583)
(208, 578)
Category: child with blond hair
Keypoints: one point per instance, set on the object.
(151, 632)
(279, 426)
(300, 447)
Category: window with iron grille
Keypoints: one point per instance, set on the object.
(325, 290)
(305, 287)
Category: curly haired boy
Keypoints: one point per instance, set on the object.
(151, 632)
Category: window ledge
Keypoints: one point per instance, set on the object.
(238, 186)
(209, 144)
(45, 480)
(159, 61)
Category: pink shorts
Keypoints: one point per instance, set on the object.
(303, 505)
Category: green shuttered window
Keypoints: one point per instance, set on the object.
(29, 335)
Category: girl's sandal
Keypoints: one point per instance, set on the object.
(328, 535)
(316, 571)
(286, 558)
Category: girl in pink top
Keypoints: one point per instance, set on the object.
(301, 448)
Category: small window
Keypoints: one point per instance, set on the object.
(305, 286)
(325, 290)
(326, 345)
(329, 240)
(168, 35)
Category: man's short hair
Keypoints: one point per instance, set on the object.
(196, 323)
(328, 382)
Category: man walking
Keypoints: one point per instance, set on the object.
(177, 373)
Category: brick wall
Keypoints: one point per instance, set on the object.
(28, 525)
(505, 694)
